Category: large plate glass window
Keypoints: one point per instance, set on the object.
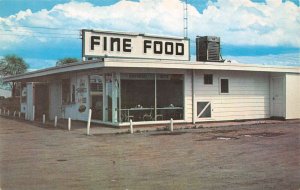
(151, 97)
(137, 97)
(169, 95)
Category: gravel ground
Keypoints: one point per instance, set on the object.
(263, 156)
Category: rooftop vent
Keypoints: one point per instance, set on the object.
(208, 48)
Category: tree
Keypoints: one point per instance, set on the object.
(12, 65)
(66, 61)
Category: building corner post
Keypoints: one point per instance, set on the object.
(193, 97)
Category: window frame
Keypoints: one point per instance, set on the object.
(212, 79)
(157, 77)
(220, 85)
(209, 107)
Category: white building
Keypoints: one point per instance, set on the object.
(130, 81)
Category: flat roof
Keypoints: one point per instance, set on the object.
(150, 63)
(197, 65)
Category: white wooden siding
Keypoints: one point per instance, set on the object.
(292, 96)
(248, 96)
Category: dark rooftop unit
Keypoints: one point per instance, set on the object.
(208, 48)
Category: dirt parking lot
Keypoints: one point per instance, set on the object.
(265, 156)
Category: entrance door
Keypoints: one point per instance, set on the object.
(41, 99)
(108, 97)
(277, 98)
(96, 92)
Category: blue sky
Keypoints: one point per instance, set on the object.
(255, 32)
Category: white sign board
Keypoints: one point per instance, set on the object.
(127, 45)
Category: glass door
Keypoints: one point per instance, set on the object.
(96, 96)
(108, 98)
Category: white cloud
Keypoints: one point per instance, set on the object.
(239, 22)
(247, 23)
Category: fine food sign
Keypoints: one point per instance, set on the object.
(129, 45)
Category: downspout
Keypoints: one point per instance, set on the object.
(193, 97)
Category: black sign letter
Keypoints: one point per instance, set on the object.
(160, 45)
(93, 42)
(147, 44)
(169, 51)
(104, 43)
(126, 45)
(113, 41)
(181, 51)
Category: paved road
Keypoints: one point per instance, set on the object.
(241, 157)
